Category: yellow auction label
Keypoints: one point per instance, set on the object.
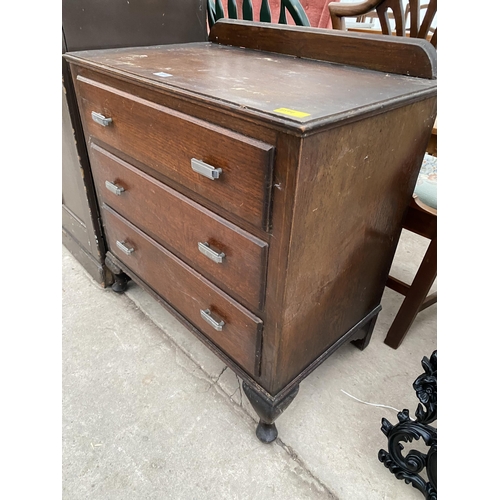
(291, 112)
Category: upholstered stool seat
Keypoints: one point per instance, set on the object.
(426, 188)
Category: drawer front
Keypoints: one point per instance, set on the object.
(233, 258)
(193, 296)
(167, 142)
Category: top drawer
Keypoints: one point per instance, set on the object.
(168, 142)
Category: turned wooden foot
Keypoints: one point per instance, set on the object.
(268, 410)
(266, 433)
(120, 283)
(367, 330)
(120, 278)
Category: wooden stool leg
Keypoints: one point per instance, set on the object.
(414, 298)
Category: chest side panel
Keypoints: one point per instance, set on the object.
(354, 185)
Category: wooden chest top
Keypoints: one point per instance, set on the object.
(279, 88)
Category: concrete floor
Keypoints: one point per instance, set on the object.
(150, 413)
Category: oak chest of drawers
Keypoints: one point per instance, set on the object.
(258, 195)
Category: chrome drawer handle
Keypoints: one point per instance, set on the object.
(115, 189)
(205, 169)
(205, 249)
(206, 314)
(101, 119)
(124, 248)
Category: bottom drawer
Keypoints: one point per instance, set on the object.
(228, 324)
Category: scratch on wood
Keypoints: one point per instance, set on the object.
(246, 90)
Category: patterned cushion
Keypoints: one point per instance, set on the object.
(426, 188)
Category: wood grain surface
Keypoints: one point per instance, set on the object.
(377, 52)
(187, 291)
(350, 201)
(167, 141)
(258, 83)
(180, 224)
(320, 140)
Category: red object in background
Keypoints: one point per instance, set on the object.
(316, 10)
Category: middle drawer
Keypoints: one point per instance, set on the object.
(232, 258)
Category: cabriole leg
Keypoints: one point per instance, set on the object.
(121, 279)
(268, 411)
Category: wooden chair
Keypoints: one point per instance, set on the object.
(417, 29)
(372, 15)
(421, 216)
(215, 11)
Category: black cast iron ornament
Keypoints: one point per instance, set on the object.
(409, 467)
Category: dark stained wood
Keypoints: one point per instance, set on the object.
(366, 332)
(415, 298)
(397, 285)
(389, 9)
(422, 220)
(206, 73)
(81, 232)
(76, 208)
(430, 300)
(121, 279)
(268, 410)
(179, 224)
(244, 127)
(396, 7)
(403, 288)
(338, 184)
(227, 360)
(94, 267)
(338, 265)
(288, 150)
(412, 57)
(187, 290)
(356, 334)
(167, 141)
